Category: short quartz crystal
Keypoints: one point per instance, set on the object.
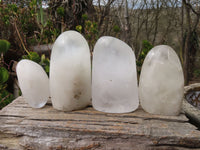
(33, 82)
(114, 77)
(70, 72)
(161, 82)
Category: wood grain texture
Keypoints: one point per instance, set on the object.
(192, 112)
(22, 127)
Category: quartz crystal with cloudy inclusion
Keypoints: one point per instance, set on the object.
(33, 82)
(114, 78)
(161, 82)
(70, 72)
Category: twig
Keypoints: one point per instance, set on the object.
(190, 6)
(21, 38)
(3, 99)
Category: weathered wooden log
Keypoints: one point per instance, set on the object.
(191, 112)
(22, 127)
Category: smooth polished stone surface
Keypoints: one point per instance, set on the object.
(33, 82)
(114, 78)
(70, 72)
(161, 82)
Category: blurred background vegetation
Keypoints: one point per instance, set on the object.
(30, 27)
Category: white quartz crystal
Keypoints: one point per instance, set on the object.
(33, 82)
(161, 82)
(114, 78)
(70, 72)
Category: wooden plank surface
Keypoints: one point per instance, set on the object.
(22, 127)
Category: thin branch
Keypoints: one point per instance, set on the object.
(190, 6)
(3, 99)
(21, 38)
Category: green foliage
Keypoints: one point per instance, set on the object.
(6, 20)
(85, 17)
(79, 28)
(196, 73)
(32, 56)
(146, 47)
(116, 28)
(8, 12)
(47, 35)
(40, 15)
(5, 96)
(4, 46)
(61, 11)
(23, 18)
(47, 32)
(4, 75)
(34, 25)
(13, 8)
(68, 14)
(90, 30)
(45, 63)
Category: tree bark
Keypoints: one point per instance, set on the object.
(157, 11)
(127, 28)
(187, 43)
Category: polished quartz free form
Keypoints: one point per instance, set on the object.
(161, 82)
(70, 72)
(114, 78)
(33, 82)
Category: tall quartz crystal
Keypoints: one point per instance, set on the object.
(114, 78)
(161, 82)
(33, 82)
(70, 72)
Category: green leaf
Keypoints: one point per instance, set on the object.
(42, 58)
(46, 69)
(147, 45)
(61, 11)
(13, 7)
(116, 28)
(47, 61)
(25, 57)
(6, 20)
(79, 28)
(5, 98)
(88, 23)
(4, 75)
(34, 57)
(84, 17)
(4, 46)
(94, 24)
